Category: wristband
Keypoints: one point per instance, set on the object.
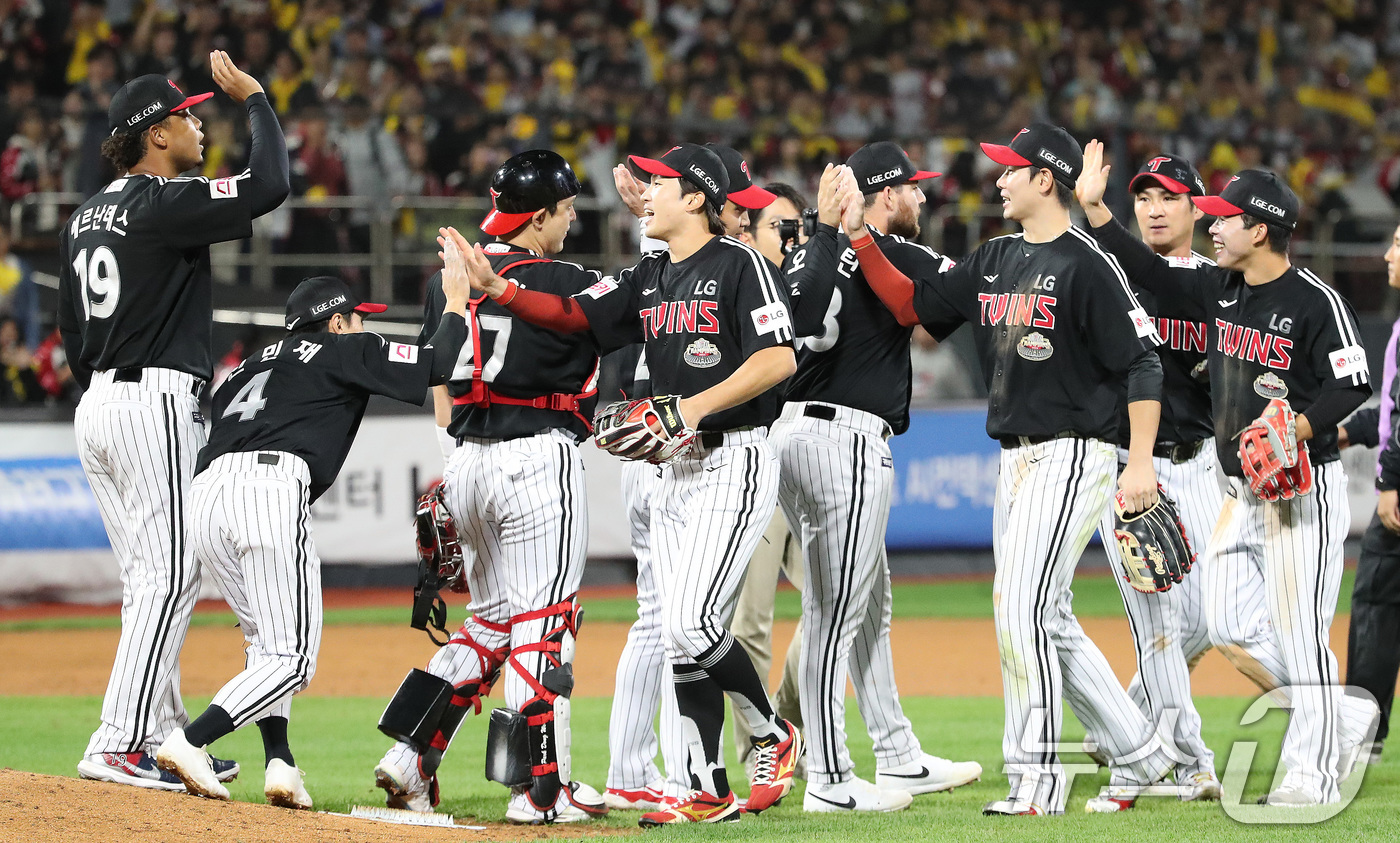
(509, 295)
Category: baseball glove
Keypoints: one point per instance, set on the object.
(1269, 445)
(649, 429)
(1152, 545)
(1290, 482)
(440, 564)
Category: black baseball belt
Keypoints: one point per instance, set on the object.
(1177, 452)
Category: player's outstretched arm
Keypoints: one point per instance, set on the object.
(894, 288)
(547, 310)
(269, 173)
(763, 370)
(1138, 482)
(810, 269)
(1092, 184)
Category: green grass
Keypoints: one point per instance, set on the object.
(336, 743)
(1095, 595)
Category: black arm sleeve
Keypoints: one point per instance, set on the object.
(1175, 297)
(269, 181)
(1363, 428)
(1389, 477)
(1145, 378)
(1333, 405)
(445, 345)
(810, 272)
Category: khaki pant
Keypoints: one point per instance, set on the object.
(752, 625)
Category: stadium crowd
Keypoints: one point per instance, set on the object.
(381, 98)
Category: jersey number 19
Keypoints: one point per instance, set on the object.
(100, 282)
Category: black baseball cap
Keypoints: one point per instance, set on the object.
(1170, 172)
(1258, 193)
(527, 182)
(147, 100)
(884, 164)
(698, 165)
(742, 191)
(1041, 145)
(320, 298)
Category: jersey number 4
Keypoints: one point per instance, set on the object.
(99, 282)
(498, 325)
(249, 399)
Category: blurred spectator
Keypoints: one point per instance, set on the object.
(19, 382)
(374, 165)
(19, 299)
(317, 172)
(51, 369)
(30, 162)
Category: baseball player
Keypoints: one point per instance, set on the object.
(634, 782)
(1057, 330)
(717, 333)
(283, 422)
(1274, 561)
(1169, 629)
(135, 314)
(850, 394)
(1372, 657)
(522, 400)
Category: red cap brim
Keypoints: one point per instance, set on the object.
(924, 174)
(189, 101)
(499, 222)
(651, 165)
(1216, 207)
(1004, 155)
(370, 307)
(753, 197)
(1170, 184)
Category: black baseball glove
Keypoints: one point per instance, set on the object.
(1152, 545)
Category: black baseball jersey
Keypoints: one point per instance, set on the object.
(856, 354)
(1294, 338)
(518, 359)
(1056, 327)
(700, 319)
(306, 395)
(134, 282)
(1186, 414)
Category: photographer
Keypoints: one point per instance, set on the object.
(782, 226)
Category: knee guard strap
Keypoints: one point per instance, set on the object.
(547, 713)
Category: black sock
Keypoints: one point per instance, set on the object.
(274, 735)
(732, 668)
(208, 727)
(701, 700)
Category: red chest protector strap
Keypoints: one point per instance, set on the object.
(483, 396)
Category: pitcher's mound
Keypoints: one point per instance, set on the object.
(39, 807)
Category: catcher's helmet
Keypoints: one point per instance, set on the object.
(527, 182)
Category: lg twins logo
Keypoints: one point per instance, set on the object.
(403, 353)
(224, 188)
(1156, 162)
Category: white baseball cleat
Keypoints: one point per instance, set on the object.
(1112, 800)
(284, 786)
(1354, 724)
(1289, 797)
(576, 803)
(191, 764)
(929, 774)
(405, 789)
(854, 794)
(1012, 808)
(1200, 787)
(643, 799)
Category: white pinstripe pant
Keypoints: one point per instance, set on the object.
(644, 682)
(1274, 572)
(138, 443)
(1169, 629)
(522, 515)
(837, 479)
(1049, 499)
(250, 527)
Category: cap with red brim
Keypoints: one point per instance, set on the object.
(147, 100)
(370, 307)
(1216, 206)
(753, 197)
(696, 164)
(1004, 155)
(1044, 146)
(883, 164)
(1169, 184)
(1259, 193)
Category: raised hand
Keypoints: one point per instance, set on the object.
(455, 284)
(1093, 180)
(853, 213)
(230, 79)
(830, 191)
(479, 273)
(628, 189)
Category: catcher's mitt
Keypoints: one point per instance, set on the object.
(440, 564)
(649, 429)
(1269, 445)
(1152, 545)
(1290, 482)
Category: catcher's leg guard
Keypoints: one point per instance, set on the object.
(427, 710)
(508, 748)
(547, 713)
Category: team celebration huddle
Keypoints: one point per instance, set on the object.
(749, 369)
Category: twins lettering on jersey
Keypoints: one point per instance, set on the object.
(681, 317)
(1183, 335)
(1018, 309)
(1253, 345)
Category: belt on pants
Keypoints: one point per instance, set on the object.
(1026, 441)
(1177, 452)
(159, 378)
(715, 438)
(849, 417)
